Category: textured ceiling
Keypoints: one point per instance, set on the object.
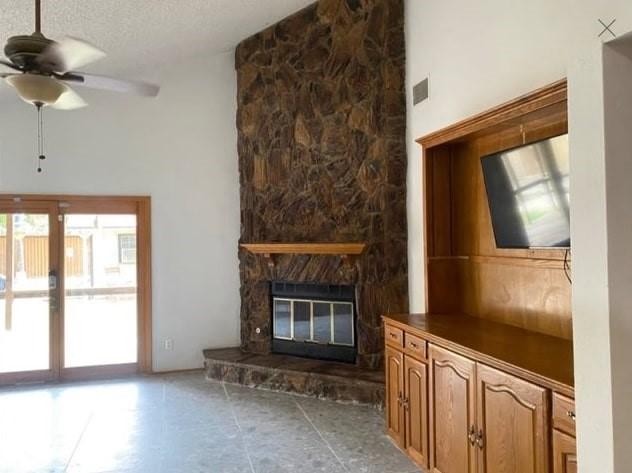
(137, 34)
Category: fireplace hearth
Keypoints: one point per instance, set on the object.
(314, 320)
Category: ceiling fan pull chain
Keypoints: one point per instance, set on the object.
(40, 138)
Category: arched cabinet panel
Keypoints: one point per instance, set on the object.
(395, 395)
(512, 418)
(453, 413)
(416, 407)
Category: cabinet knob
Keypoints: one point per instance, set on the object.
(480, 440)
(472, 435)
(571, 415)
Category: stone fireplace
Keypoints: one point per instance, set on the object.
(322, 158)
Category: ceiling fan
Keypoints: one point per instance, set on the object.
(41, 71)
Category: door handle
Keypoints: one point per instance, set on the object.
(52, 280)
(52, 290)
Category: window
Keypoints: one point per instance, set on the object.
(127, 248)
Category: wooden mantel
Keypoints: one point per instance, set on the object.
(347, 251)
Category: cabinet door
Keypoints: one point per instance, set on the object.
(512, 416)
(452, 412)
(395, 395)
(564, 453)
(416, 407)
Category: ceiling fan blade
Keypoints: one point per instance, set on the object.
(9, 65)
(110, 83)
(69, 53)
(69, 100)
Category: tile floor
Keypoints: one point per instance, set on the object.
(183, 423)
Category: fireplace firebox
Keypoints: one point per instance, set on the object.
(314, 320)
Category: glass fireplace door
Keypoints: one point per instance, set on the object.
(323, 322)
(314, 328)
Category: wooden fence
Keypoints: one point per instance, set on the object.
(36, 256)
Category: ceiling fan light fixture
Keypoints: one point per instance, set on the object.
(36, 89)
(69, 100)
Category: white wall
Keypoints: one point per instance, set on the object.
(618, 140)
(480, 54)
(181, 149)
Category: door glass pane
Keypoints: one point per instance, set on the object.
(302, 320)
(282, 319)
(100, 290)
(343, 324)
(24, 301)
(322, 322)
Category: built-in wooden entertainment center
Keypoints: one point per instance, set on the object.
(484, 381)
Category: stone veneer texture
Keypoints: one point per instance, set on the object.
(322, 158)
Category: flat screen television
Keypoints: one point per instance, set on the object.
(528, 194)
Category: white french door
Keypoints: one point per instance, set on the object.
(29, 305)
(74, 288)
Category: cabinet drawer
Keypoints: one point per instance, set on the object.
(564, 414)
(394, 336)
(415, 346)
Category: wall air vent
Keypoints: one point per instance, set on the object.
(420, 91)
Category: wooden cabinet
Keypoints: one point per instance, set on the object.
(416, 409)
(454, 411)
(484, 420)
(453, 392)
(564, 449)
(498, 335)
(394, 395)
(407, 394)
(512, 424)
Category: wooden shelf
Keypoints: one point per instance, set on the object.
(549, 263)
(347, 251)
